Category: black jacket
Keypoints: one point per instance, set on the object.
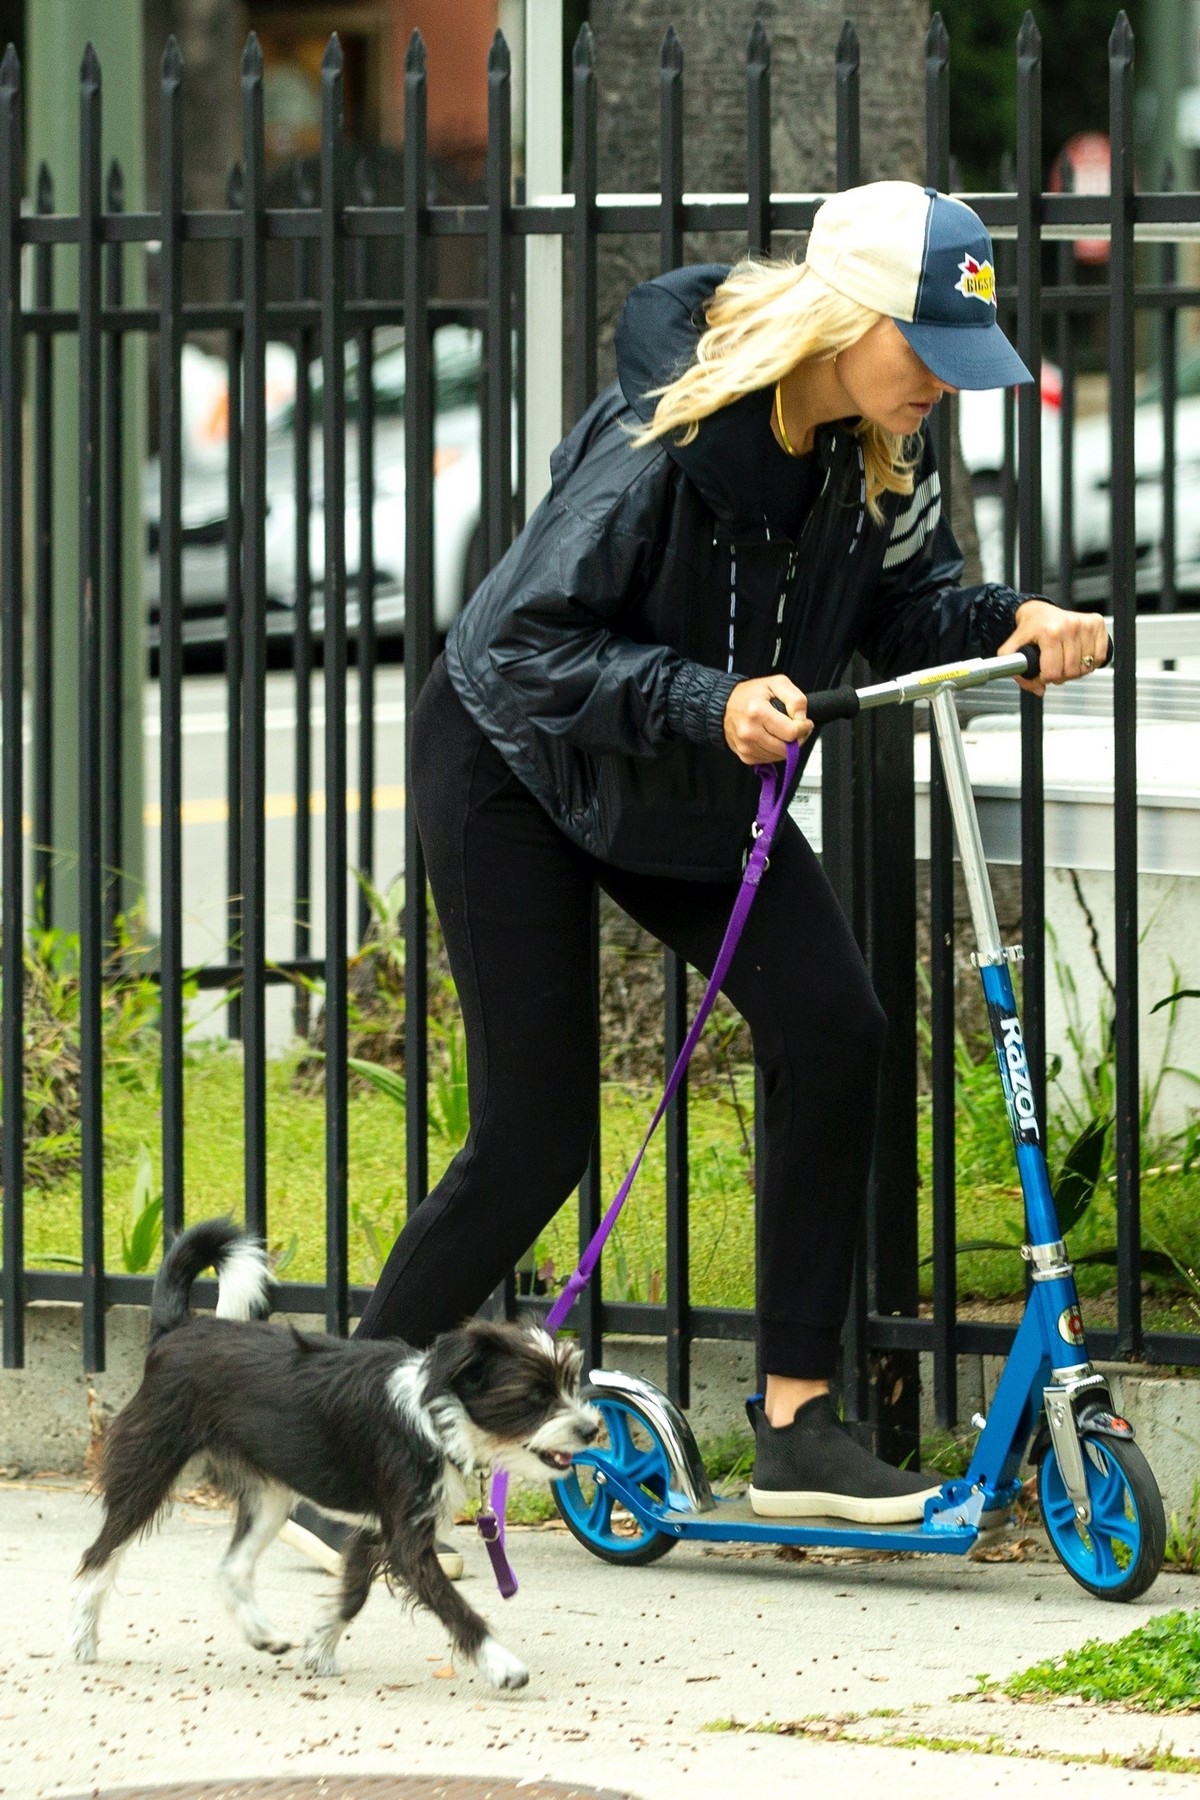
(597, 654)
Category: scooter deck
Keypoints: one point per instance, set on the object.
(734, 1521)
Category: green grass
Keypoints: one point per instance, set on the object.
(1155, 1668)
(722, 1202)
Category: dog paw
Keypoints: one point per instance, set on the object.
(273, 1645)
(318, 1658)
(500, 1666)
(84, 1649)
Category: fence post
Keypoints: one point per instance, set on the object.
(1124, 594)
(365, 425)
(675, 1124)
(42, 710)
(758, 140)
(887, 896)
(302, 643)
(333, 424)
(1029, 540)
(254, 587)
(235, 200)
(941, 856)
(112, 647)
(12, 1052)
(418, 602)
(91, 945)
(170, 629)
(588, 1308)
(843, 781)
(1169, 377)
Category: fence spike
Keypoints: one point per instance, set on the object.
(10, 70)
(1029, 39)
(758, 49)
(115, 190)
(235, 188)
(847, 46)
(252, 59)
(671, 53)
(45, 189)
(334, 59)
(584, 54)
(937, 40)
(1120, 43)
(414, 56)
(172, 61)
(499, 59)
(89, 68)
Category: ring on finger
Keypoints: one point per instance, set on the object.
(1089, 663)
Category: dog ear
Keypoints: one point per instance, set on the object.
(459, 1360)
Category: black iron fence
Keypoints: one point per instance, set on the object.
(867, 800)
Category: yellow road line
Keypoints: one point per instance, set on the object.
(276, 806)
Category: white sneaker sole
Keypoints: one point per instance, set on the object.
(315, 1548)
(899, 1509)
(310, 1545)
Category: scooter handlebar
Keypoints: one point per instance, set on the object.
(827, 704)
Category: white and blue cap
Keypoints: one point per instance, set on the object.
(925, 261)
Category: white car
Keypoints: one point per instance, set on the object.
(981, 429)
(458, 538)
(1092, 487)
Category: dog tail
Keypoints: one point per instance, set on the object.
(244, 1280)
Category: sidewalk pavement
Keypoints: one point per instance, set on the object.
(855, 1664)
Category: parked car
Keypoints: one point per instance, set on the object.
(458, 538)
(1092, 485)
(981, 428)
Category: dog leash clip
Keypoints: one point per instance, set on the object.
(492, 1533)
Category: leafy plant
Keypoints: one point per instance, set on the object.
(449, 1112)
(1183, 1537)
(379, 1232)
(1155, 1668)
(140, 1243)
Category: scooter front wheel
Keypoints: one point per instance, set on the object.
(629, 1447)
(1119, 1551)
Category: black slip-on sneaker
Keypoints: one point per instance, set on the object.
(815, 1468)
(323, 1539)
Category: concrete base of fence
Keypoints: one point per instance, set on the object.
(51, 1412)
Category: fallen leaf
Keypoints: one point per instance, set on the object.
(446, 1674)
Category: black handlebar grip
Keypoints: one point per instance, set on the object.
(1033, 659)
(833, 703)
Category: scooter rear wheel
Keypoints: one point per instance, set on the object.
(631, 1448)
(1119, 1552)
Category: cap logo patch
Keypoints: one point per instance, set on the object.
(977, 280)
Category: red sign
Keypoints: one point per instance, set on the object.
(1084, 166)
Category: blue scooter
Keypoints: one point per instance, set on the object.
(643, 1488)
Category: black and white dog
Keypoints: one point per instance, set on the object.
(375, 1432)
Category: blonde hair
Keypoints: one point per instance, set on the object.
(767, 316)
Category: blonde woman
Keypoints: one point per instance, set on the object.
(753, 500)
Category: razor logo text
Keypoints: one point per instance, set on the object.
(1019, 1084)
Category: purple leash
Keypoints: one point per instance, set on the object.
(771, 806)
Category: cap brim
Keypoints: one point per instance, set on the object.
(966, 356)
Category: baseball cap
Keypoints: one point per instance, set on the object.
(925, 261)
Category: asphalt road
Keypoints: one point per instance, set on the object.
(205, 819)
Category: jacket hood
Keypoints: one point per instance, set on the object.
(656, 337)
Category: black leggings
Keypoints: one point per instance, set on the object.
(514, 899)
